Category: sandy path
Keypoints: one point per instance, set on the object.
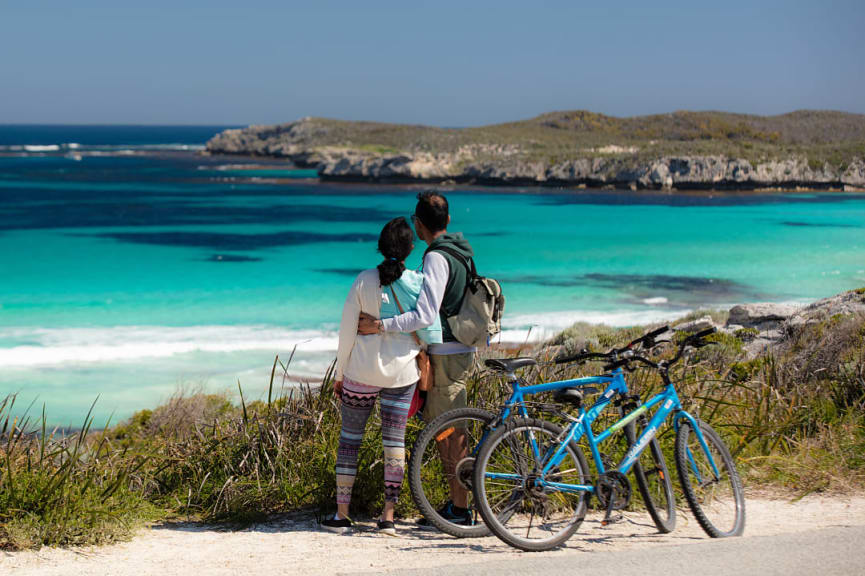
(297, 546)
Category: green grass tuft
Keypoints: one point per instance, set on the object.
(794, 419)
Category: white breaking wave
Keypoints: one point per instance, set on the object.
(152, 147)
(654, 301)
(538, 327)
(102, 149)
(33, 347)
(53, 346)
(40, 148)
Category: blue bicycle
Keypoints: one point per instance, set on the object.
(442, 463)
(531, 481)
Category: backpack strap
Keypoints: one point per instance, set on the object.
(470, 271)
(401, 311)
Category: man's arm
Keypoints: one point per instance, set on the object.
(435, 279)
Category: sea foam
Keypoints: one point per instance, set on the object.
(33, 347)
(539, 327)
(55, 346)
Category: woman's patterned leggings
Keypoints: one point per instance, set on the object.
(358, 401)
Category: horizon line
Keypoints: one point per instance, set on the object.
(246, 124)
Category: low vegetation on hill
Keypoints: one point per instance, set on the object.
(682, 150)
(817, 139)
(815, 133)
(793, 415)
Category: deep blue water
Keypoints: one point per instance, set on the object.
(130, 264)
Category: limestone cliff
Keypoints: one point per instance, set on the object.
(691, 151)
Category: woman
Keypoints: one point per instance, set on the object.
(377, 365)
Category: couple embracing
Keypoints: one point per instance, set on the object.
(390, 315)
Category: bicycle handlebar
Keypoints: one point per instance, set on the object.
(581, 357)
(694, 341)
(646, 340)
(622, 357)
(703, 333)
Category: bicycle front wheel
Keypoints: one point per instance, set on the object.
(653, 480)
(714, 493)
(523, 506)
(441, 467)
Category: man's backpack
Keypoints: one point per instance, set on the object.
(480, 315)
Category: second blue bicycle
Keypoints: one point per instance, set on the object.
(531, 481)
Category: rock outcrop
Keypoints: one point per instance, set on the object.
(332, 150)
(773, 324)
(697, 325)
(760, 315)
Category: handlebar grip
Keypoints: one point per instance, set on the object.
(566, 359)
(657, 332)
(649, 337)
(704, 333)
(579, 357)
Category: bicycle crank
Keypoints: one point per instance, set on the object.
(613, 490)
(464, 471)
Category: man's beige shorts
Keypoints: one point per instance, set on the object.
(449, 384)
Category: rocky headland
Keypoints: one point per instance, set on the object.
(683, 150)
(770, 327)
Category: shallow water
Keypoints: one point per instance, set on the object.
(125, 275)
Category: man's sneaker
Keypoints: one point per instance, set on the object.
(386, 527)
(338, 525)
(454, 515)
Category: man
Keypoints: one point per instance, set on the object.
(445, 280)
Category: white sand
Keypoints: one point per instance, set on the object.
(297, 546)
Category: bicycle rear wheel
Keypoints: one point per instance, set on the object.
(653, 480)
(442, 461)
(509, 489)
(716, 499)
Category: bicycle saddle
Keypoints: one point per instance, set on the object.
(509, 364)
(573, 396)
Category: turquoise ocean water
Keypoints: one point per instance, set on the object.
(130, 265)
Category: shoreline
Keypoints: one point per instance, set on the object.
(804, 150)
(205, 443)
(251, 163)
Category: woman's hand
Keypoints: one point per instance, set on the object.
(337, 389)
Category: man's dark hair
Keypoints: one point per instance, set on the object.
(432, 210)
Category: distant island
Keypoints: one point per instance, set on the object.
(822, 150)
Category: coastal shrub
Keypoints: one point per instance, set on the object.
(793, 418)
(66, 489)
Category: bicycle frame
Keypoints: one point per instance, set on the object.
(520, 390)
(667, 402)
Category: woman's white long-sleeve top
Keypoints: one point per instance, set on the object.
(386, 360)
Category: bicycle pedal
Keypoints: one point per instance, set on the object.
(612, 520)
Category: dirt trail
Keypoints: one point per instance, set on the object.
(298, 546)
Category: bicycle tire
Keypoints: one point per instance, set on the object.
(707, 505)
(496, 522)
(416, 470)
(663, 514)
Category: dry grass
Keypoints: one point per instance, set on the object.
(794, 420)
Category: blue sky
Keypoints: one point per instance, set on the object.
(444, 63)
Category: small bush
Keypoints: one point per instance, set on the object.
(793, 419)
